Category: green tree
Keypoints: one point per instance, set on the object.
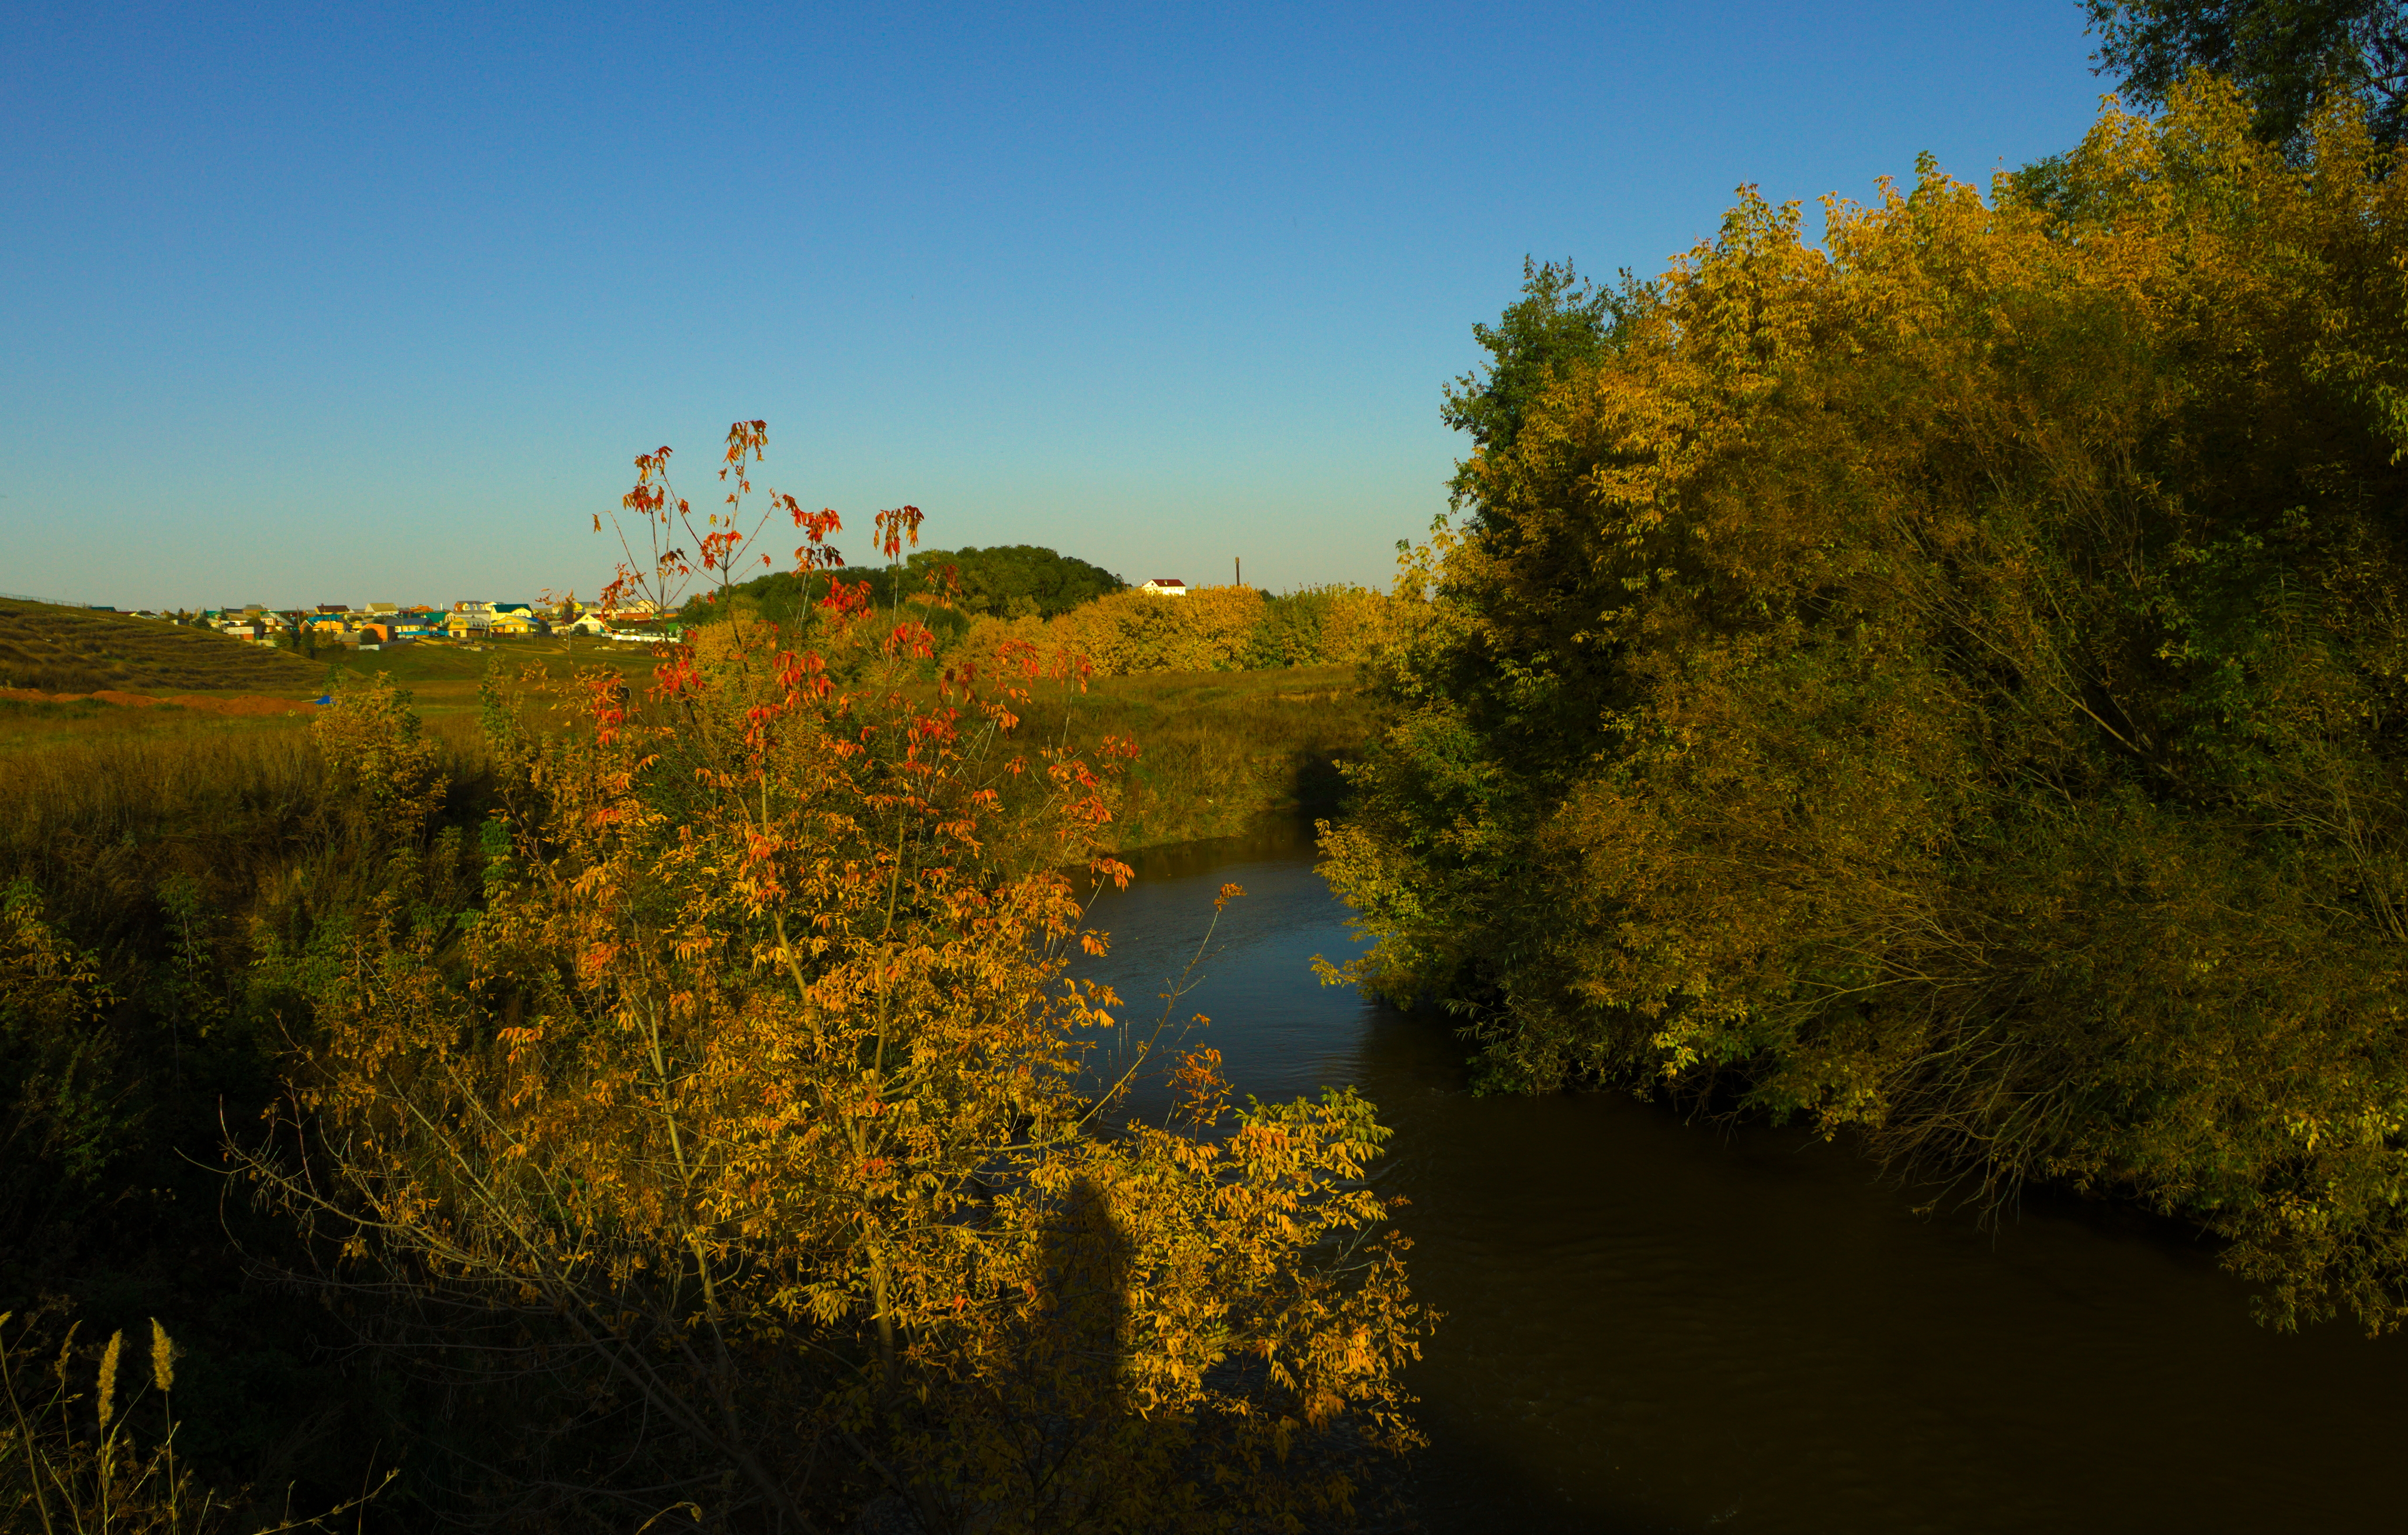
(1016, 580)
(2290, 57)
(1011, 581)
(1559, 320)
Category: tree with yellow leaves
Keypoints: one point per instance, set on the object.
(1945, 684)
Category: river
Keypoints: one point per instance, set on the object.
(1658, 1324)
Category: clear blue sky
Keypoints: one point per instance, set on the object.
(376, 301)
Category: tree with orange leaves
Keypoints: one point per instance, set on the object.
(754, 1152)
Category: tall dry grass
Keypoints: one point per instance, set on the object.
(134, 787)
(153, 859)
(99, 809)
(102, 1463)
(1216, 750)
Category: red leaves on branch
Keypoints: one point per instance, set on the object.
(715, 547)
(745, 440)
(817, 554)
(894, 527)
(721, 543)
(606, 706)
(911, 639)
(846, 599)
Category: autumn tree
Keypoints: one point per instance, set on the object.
(1944, 683)
(1561, 320)
(754, 1150)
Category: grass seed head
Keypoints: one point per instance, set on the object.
(108, 1377)
(163, 1358)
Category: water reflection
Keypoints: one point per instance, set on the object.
(1652, 1324)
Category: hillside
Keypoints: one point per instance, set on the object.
(77, 650)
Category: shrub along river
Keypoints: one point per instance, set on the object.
(1658, 1324)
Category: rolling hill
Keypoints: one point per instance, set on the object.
(81, 650)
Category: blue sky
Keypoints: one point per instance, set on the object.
(377, 302)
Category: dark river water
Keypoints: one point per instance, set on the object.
(1659, 1325)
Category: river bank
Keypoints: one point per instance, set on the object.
(1218, 751)
(1660, 1324)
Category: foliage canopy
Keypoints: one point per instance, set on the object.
(2290, 57)
(1010, 581)
(1950, 685)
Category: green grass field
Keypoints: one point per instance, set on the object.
(1216, 751)
(443, 678)
(54, 649)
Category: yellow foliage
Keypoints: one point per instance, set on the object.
(1359, 625)
(1133, 631)
(1212, 628)
(377, 764)
(1942, 682)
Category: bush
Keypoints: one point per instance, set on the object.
(755, 1107)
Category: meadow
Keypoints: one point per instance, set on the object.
(1216, 748)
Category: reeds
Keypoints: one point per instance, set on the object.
(109, 790)
(111, 1471)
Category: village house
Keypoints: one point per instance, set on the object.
(1165, 586)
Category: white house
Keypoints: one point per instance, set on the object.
(1165, 586)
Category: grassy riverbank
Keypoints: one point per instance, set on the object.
(1216, 748)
